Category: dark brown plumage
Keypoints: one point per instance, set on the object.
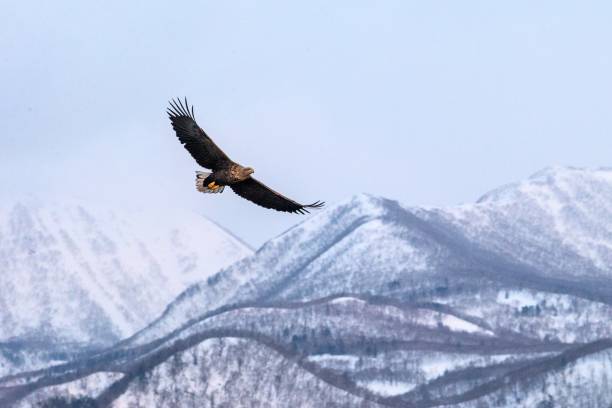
(225, 172)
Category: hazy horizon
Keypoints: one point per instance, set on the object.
(429, 104)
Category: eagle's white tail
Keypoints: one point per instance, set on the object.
(200, 177)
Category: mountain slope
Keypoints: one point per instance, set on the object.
(342, 351)
(512, 239)
(353, 247)
(558, 221)
(504, 302)
(72, 273)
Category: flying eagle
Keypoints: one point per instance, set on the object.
(225, 172)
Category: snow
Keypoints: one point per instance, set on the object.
(435, 319)
(584, 383)
(90, 386)
(356, 247)
(344, 359)
(295, 249)
(556, 221)
(387, 388)
(216, 373)
(456, 324)
(560, 217)
(517, 298)
(436, 364)
(348, 300)
(79, 272)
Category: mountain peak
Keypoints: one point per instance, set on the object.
(364, 202)
(554, 174)
(358, 206)
(552, 180)
(118, 268)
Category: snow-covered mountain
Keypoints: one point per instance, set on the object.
(558, 221)
(74, 273)
(504, 302)
(337, 351)
(511, 238)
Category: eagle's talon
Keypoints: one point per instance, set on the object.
(211, 185)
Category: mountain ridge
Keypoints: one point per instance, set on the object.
(373, 303)
(81, 274)
(453, 242)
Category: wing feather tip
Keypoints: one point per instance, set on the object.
(178, 109)
(303, 209)
(316, 204)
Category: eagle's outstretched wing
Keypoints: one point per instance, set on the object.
(264, 196)
(195, 140)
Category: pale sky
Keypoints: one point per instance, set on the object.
(426, 102)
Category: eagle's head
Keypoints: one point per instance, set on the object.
(247, 171)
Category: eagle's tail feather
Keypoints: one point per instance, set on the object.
(200, 178)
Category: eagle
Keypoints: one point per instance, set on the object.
(225, 172)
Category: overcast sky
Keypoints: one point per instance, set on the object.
(427, 102)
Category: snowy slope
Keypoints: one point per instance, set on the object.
(223, 376)
(338, 351)
(503, 302)
(75, 273)
(552, 232)
(559, 221)
(364, 245)
(583, 383)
